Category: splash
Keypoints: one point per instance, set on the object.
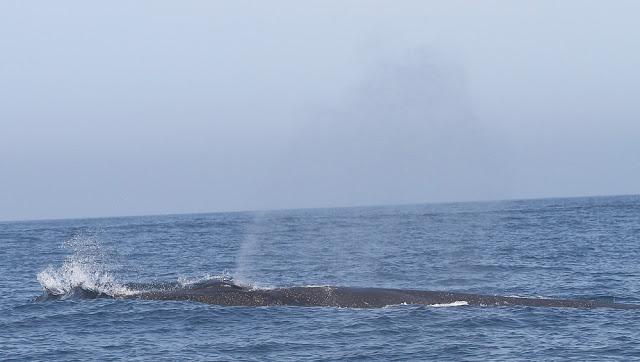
(85, 269)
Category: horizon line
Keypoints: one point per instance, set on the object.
(45, 219)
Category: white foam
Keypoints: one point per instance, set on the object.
(83, 269)
(62, 280)
(189, 281)
(186, 282)
(457, 303)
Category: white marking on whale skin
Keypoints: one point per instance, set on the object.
(457, 303)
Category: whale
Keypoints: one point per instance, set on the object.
(229, 294)
(226, 293)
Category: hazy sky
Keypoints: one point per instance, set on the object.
(150, 107)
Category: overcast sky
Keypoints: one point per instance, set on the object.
(152, 107)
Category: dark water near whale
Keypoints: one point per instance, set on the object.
(562, 248)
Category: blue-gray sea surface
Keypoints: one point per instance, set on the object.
(560, 248)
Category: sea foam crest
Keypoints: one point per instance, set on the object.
(83, 269)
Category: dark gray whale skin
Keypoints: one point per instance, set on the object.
(228, 294)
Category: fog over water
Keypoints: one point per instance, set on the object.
(153, 107)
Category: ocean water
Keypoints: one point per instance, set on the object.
(561, 248)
